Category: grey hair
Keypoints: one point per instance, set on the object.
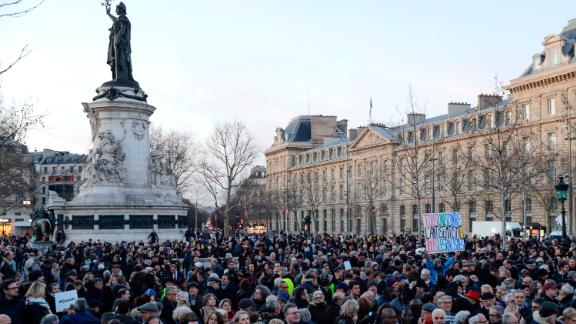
(475, 319)
(461, 316)
(305, 315)
(438, 311)
(80, 305)
(498, 309)
(509, 318)
(567, 289)
(265, 290)
(50, 319)
(271, 303)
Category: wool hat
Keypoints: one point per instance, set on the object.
(429, 307)
(548, 309)
(473, 294)
(245, 303)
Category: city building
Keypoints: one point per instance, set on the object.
(16, 174)
(379, 179)
(57, 171)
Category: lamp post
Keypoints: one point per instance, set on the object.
(432, 159)
(561, 189)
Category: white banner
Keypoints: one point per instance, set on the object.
(63, 300)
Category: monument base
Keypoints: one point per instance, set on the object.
(120, 223)
(40, 245)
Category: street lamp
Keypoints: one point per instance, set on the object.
(561, 189)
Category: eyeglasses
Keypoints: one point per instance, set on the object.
(12, 288)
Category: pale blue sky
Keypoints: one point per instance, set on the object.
(207, 61)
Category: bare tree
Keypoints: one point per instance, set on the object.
(505, 160)
(230, 151)
(14, 9)
(370, 190)
(456, 175)
(414, 156)
(539, 178)
(180, 153)
(313, 195)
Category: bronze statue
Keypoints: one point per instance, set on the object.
(42, 224)
(119, 50)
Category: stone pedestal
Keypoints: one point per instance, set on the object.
(127, 189)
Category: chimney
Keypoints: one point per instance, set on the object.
(342, 125)
(487, 100)
(353, 133)
(456, 108)
(415, 118)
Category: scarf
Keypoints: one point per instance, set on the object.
(38, 301)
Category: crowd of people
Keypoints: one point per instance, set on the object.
(210, 278)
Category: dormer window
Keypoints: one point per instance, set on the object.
(553, 56)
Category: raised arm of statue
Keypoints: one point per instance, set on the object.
(110, 15)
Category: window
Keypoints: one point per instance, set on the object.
(526, 144)
(341, 192)
(359, 170)
(341, 219)
(410, 137)
(332, 174)
(551, 141)
(333, 221)
(43, 179)
(385, 188)
(472, 207)
(385, 167)
(471, 181)
(414, 210)
(487, 151)
(551, 106)
(488, 207)
(528, 205)
(423, 135)
(341, 173)
(553, 56)
(526, 112)
(402, 184)
(487, 178)
(507, 206)
(508, 118)
(53, 170)
(45, 170)
(428, 208)
(442, 207)
(454, 155)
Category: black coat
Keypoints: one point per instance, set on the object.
(33, 313)
(12, 308)
(332, 311)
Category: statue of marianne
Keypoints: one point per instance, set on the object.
(119, 50)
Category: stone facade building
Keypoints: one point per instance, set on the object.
(379, 179)
(57, 171)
